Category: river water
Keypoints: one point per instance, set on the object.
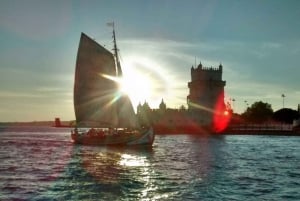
(42, 164)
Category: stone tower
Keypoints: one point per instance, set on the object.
(206, 93)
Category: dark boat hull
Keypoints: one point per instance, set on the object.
(126, 138)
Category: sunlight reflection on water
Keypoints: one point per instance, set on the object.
(130, 160)
(47, 166)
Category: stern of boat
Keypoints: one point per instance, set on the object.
(146, 138)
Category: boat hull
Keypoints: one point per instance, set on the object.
(143, 137)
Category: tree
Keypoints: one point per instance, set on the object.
(182, 108)
(258, 112)
(286, 115)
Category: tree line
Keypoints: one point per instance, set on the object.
(261, 112)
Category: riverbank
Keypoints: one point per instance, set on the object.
(262, 129)
(245, 129)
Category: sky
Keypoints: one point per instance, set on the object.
(257, 42)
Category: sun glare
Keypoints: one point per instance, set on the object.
(137, 86)
(144, 80)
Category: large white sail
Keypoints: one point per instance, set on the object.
(94, 94)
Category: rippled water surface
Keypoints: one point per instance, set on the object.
(43, 164)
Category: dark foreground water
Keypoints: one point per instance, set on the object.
(43, 164)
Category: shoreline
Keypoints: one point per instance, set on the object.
(201, 131)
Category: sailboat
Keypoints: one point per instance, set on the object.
(104, 114)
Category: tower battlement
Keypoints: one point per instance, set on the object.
(202, 73)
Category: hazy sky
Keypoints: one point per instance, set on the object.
(257, 42)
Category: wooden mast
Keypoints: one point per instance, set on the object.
(118, 65)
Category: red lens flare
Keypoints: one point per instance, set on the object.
(221, 116)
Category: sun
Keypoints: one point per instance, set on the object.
(144, 80)
(137, 86)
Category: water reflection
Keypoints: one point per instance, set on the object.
(108, 173)
(47, 166)
(30, 163)
(172, 169)
(133, 161)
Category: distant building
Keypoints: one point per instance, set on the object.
(206, 93)
(57, 122)
(162, 106)
(205, 104)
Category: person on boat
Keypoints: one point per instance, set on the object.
(91, 132)
(75, 131)
(100, 133)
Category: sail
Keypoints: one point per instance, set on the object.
(125, 111)
(126, 115)
(94, 94)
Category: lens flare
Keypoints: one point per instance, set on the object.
(221, 116)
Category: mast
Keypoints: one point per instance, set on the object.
(118, 65)
(126, 115)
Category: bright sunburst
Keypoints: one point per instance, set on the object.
(138, 86)
(144, 80)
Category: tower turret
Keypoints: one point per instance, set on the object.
(162, 105)
(221, 67)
